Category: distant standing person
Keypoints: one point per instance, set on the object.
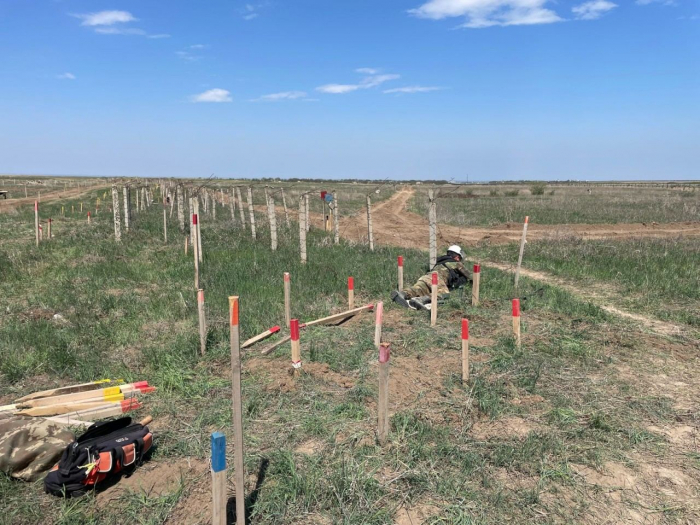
(451, 275)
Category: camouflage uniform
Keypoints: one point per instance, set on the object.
(30, 447)
(424, 285)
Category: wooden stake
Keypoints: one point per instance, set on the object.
(195, 249)
(370, 234)
(202, 322)
(516, 321)
(232, 205)
(48, 228)
(218, 478)
(351, 293)
(179, 195)
(378, 315)
(336, 219)
(522, 248)
(125, 190)
(240, 207)
(88, 217)
(400, 266)
(117, 218)
(287, 299)
(165, 222)
(199, 232)
(41, 233)
(433, 299)
(432, 225)
(476, 280)
(286, 212)
(239, 463)
(296, 351)
(252, 213)
(260, 337)
(307, 221)
(36, 221)
(187, 242)
(465, 350)
(272, 217)
(302, 231)
(383, 404)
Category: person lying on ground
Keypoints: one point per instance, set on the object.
(451, 275)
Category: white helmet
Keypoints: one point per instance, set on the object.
(456, 249)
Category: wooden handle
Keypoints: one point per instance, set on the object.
(146, 420)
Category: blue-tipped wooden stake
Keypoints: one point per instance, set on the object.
(218, 478)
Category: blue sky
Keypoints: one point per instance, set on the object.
(489, 89)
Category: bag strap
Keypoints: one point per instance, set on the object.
(102, 428)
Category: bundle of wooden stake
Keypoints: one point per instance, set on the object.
(71, 405)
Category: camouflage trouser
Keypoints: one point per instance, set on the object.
(424, 287)
(30, 447)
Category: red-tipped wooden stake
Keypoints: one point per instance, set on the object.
(465, 350)
(351, 293)
(193, 232)
(433, 299)
(296, 351)
(239, 463)
(378, 315)
(89, 218)
(202, 322)
(41, 233)
(475, 284)
(383, 405)
(516, 321)
(400, 265)
(522, 248)
(36, 220)
(287, 299)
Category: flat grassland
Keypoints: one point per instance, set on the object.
(594, 419)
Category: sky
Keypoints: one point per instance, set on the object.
(460, 90)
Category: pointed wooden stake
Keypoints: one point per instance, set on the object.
(202, 322)
(378, 316)
(351, 293)
(476, 281)
(434, 299)
(383, 404)
(465, 350)
(239, 463)
(516, 321)
(400, 266)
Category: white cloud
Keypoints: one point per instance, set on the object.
(367, 71)
(212, 95)
(187, 56)
(160, 35)
(66, 76)
(120, 31)
(365, 83)
(663, 2)
(198, 46)
(106, 18)
(592, 10)
(251, 11)
(487, 13)
(412, 89)
(284, 95)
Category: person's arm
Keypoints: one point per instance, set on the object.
(463, 270)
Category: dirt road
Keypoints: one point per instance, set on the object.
(12, 204)
(394, 225)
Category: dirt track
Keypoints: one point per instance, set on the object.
(7, 205)
(394, 225)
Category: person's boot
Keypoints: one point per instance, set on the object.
(420, 303)
(400, 298)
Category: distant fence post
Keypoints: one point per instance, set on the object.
(117, 219)
(522, 248)
(370, 233)
(432, 224)
(252, 213)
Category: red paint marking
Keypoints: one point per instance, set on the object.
(194, 219)
(286, 277)
(351, 283)
(527, 219)
(140, 384)
(36, 206)
(200, 296)
(274, 329)
(477, 268)
(435, 278)
(234, 312)
(400, 260)
(384, 352)
(465, 329)
(516, 307)
(294, 329)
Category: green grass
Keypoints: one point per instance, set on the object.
(488, 206)
(130, 312)
(656, 276)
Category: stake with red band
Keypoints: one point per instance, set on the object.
(433, 299)
(400, 266)
(351, 293)
(476, 281)
(378, 315)
(195, 249)
(296, 351)
(516, 321)
(465, 350)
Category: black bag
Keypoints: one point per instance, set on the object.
(105, 450)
